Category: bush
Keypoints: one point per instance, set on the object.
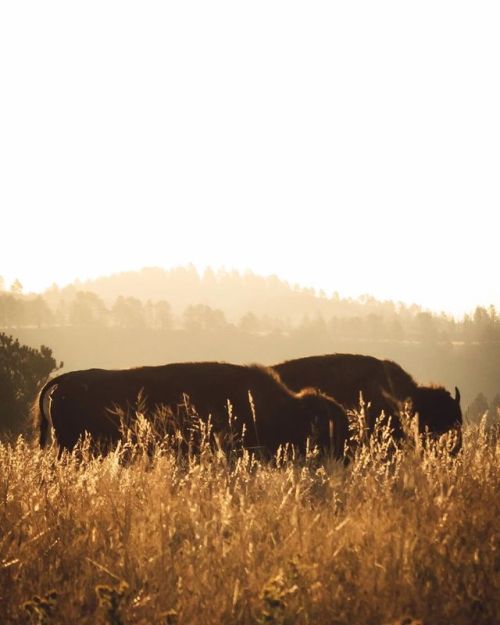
(23, 371)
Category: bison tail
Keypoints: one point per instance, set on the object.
(41, 413)
(43, 424)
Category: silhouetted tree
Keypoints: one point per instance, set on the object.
(314, 329)
(250, 323)
(158, 315)
(11, 310)
(199, 318)
(23, 370)
(478, 407)
(37, 312)
(87, 309)
(128, 312)
(375, 326)
(486, 324)
(426, 327)
(395, 330)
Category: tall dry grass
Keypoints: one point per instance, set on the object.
(210, 539)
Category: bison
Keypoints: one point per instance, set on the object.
(82, 402)
(385, 386)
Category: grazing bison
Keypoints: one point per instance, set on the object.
(82, 402)
(383, 383)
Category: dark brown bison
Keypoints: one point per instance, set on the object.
(383, 383)
(82, 402)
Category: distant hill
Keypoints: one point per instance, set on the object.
(232, 292)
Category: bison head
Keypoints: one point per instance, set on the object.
(439, 413)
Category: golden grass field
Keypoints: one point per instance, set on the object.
(211, 540)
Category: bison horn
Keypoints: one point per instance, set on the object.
(457, 395)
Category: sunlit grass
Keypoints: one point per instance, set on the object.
(207, 538)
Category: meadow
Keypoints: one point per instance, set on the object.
(143, 536)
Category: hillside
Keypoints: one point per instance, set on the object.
(234, 293)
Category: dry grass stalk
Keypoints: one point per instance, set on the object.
(213, 538)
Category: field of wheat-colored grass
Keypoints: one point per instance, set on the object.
(208, 539)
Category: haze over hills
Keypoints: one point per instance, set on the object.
(235, 293)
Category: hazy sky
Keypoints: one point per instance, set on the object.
(350, 146)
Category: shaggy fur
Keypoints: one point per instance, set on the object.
(384, 385)
(82, 402)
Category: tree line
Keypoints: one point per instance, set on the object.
(87, 309)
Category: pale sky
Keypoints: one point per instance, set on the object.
(350, 146)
